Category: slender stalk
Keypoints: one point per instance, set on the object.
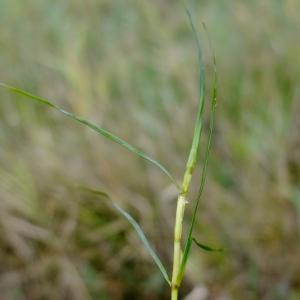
(177, 254)
(190, 166)
(174, 295)
(177, 243)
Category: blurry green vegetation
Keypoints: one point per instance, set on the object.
(130, 66)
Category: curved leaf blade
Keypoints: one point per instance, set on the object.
(193, 155)
(144, 240)
(92, 126)
(207, 248)
(138, 230)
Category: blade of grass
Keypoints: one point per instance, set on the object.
(192, 160)
(137, 229)
(93, 126)
(207, 248)
(189, 240)
(144, 240)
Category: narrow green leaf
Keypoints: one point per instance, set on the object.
(207, 248)
(139, 232)
(144, 240)
(192, 160)
(91, 125)
(189, 240)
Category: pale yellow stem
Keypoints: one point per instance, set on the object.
(177, 244)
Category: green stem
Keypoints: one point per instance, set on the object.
(190, 166)
(174, 294)
(177, 254)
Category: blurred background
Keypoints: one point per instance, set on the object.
(130, 66)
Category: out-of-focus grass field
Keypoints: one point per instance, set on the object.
(130, 66)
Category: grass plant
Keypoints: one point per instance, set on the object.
(129, 66)
(180, 255)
